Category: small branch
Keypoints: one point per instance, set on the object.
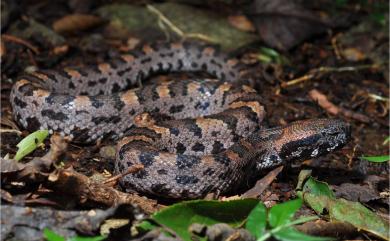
(133, 169)
(176, 29)
(315, 72)
(17, 40)
(11, 131)
(331, 108)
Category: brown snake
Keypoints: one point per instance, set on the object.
(193, 137)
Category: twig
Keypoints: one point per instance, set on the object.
(336, 46)
(11, 38)
(314, 72)
(132, 169)
(331, 108)
(10, 131)
(176, 29)
(262, 184)
(378, 97)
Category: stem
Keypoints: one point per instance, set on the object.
(324, 69)
(289, 224)
(264, 237)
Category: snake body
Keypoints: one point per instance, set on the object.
(193, 137)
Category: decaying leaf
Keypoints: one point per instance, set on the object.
(282, 24)
(76, 22)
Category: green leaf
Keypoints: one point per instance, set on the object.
(145, 226)
(282, 213)
(359, 216)
(379, 18)
(319, 190)
(376, 158)
(257, 220)
(342, 210)
(302, 178)
(52, 236)
(317, 187)
(291, 234)
(30, 143)
(96, 238)
(179, 217)
(267, 55)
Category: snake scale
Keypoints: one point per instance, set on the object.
(193, 137)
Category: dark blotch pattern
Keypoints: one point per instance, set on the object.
(54, 115)
(176, 108)
(186, 161)
(198, 147)
(186, 179)
(147, 158)
(202, 105)
(174, 131)
(162, 172)
(180, 148)
(217, 147)
(194, 128)
(19, 102)
(118, 103)
(33, 123)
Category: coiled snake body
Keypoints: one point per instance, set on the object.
(193, 137)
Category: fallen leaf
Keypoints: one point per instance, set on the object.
(353, 54)
(331, 108)
(242, 23)
(283, 24)
(356, 192)
(262, 184)
(320, 197)
(76, 22)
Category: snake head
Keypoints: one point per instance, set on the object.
(311, 138)
(303, 140)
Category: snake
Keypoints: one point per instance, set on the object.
(192, 137)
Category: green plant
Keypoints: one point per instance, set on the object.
(179, 217)
(383, 158)
(30, 143)
(321, 199)
(278, 222)
(52, 236)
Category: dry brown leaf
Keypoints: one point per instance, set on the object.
(331, 108)
(262, 184)
(283, 24)
(242, 23)
(60, 50)
(353, 54)
(76, 22)
(2, 49)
